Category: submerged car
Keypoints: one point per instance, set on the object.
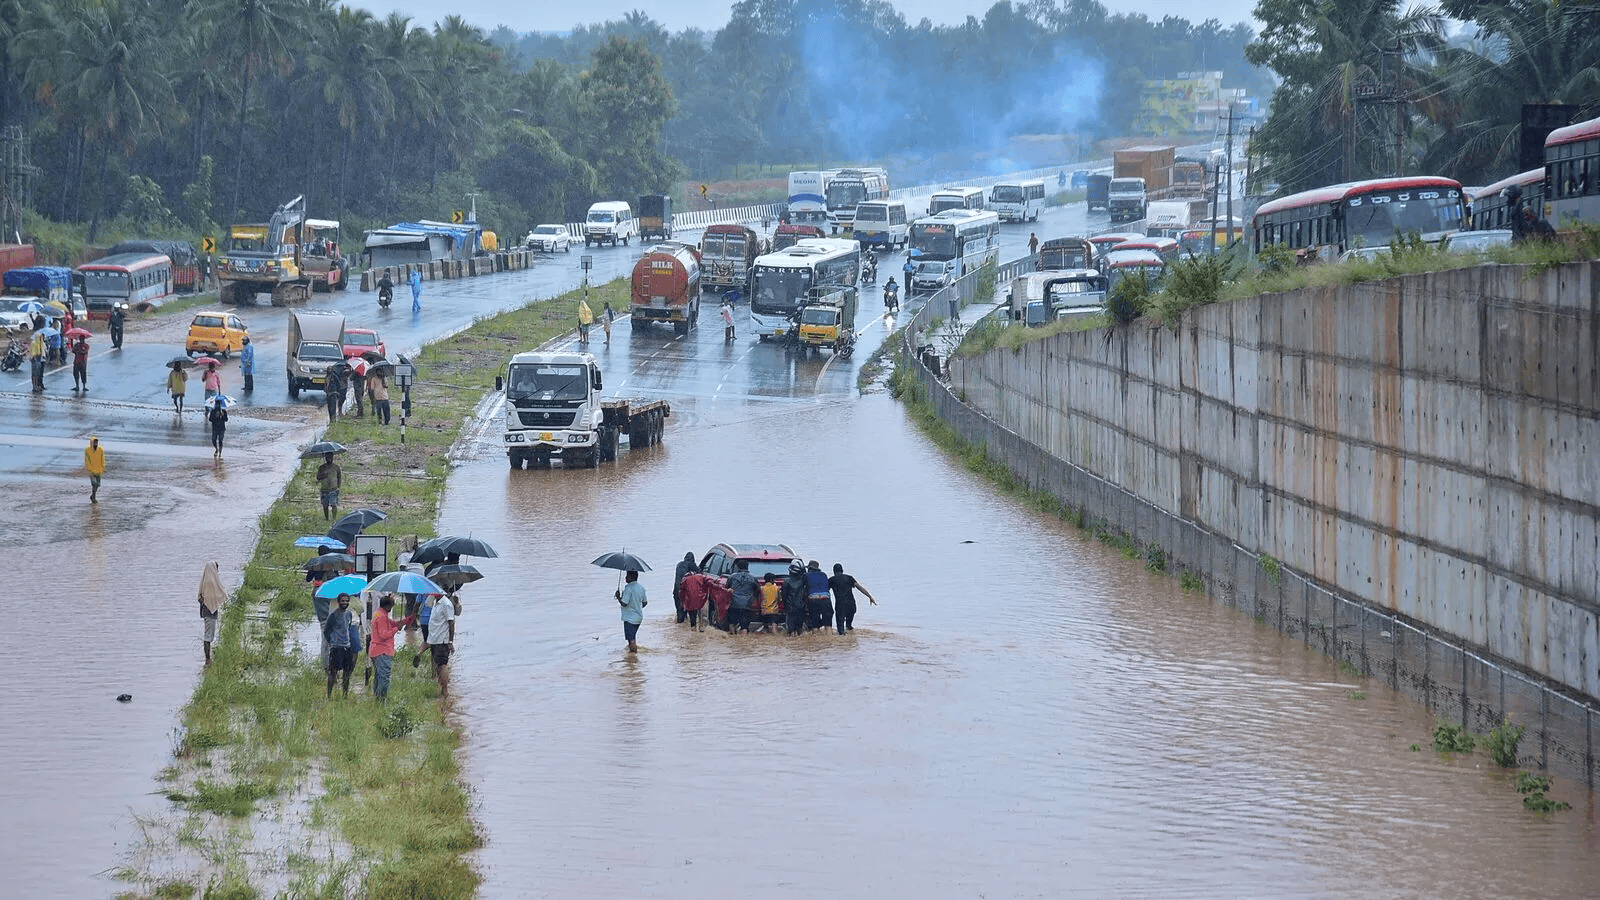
(762, 559)
(549, 239)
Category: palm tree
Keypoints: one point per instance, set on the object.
(254, 37)
(100, 74)
(347, 64)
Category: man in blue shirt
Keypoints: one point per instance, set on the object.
(633, 603)
(247, 365)
(743, 587)
(343, 632)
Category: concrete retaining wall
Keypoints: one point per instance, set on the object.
(500, 261)
(1418, 455)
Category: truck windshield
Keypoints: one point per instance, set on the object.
(1126, 185)
(320, 350)
(548, 382)
(819, 315)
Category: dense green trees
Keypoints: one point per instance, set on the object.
(1365, 80)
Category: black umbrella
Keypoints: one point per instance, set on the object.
(621, 560)
(359, 519)
(436, 549)
(321, 447)
(180, 362)
(329, 562)
(454, 576)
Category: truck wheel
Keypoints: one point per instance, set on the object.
(294, 388)
(624, 241)
(591, 460)
(680, 328)
(636, 323)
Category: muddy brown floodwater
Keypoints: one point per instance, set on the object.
(1026, 714)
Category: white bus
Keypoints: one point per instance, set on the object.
(782, 281)
(848, 189)
(955, 198)
(1017, 201)
(808, 196)
(882, 223)
(951, 244)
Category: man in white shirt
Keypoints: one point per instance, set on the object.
(441, 640)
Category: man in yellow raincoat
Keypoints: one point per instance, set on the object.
(585, 319)
(94, 459)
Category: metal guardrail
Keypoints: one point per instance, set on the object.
(700, 218)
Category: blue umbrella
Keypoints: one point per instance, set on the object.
(344, 584)
(49, 331)
(318, 541)
(32, 308)
(403, 583)
(222, 400)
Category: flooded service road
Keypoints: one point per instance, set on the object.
(1026, 713)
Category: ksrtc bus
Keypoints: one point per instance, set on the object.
(783, 281)
(969, 237)
(1572, 174)
(1330, 220)
(848, 189)
(1491, 207)
(808, 196)
(955, 198)
(1017, 201)
(136, 279)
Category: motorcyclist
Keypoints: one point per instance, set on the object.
(870, 267)
(891, 295)
(114, 322)
(385, 289)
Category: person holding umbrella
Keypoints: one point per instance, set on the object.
(343, 634)
(80, 359)
(378, 389)
(358, 386)
(381, 651)
(212, 380)
(633, 601)
(217, 415)
(177, 385)
(329, 479)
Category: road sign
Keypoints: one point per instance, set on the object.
(208, 244)
(458, 217)
(403, 373)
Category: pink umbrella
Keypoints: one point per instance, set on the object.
(207, 361)
(74, 333)
(360, 367)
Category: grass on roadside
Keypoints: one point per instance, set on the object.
(259, 729)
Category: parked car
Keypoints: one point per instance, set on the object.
(549, 239)
(357, 341)
(215, 331)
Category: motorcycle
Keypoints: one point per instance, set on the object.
(869, 269)
(13, 358)
(891, 297)
(385, 295)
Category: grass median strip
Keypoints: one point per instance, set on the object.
(276, 789)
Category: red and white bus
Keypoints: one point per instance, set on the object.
(1489, 207)
(132, 278)
(1330, 220)
(1572, 174)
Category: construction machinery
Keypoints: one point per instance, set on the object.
(267, 259)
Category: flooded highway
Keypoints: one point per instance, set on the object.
(1026, 713)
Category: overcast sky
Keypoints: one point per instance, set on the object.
(675, 15)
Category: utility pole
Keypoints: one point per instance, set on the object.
(1249, 159)
(1229, 162)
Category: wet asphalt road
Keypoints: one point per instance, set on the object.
(112, 583)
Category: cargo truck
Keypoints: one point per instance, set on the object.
(1097, 189)
(1126, 199)
(829, 320)
(554, 411)
(655, 217)
(666, 287)
(1153, 164)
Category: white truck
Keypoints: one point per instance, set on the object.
(1125, 199)
(316, 341)
(554, 411)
